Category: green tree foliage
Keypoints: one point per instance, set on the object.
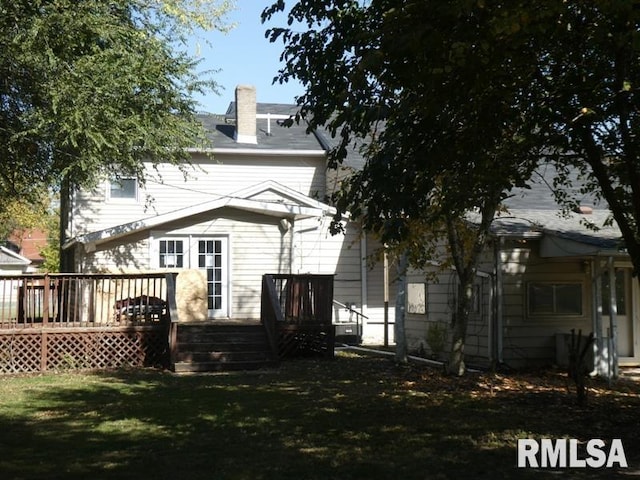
(434, 92)
(90, 87)
(51, 251)
(19, 216)
(456, 102)
(590, 70)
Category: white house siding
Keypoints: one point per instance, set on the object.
(317, 251)
(373, 332)
(117, 256)
(167, 189)
(440, 295)
(526, 340)
(256, 246)
(531, 340)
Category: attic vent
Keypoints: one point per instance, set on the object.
(271, 116)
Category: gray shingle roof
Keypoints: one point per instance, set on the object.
(536, 209)
(221, 130)
(574, 227)
(530, 210)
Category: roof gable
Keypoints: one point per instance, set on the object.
(9, 257)
(266, 198)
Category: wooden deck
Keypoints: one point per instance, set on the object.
(73, 321)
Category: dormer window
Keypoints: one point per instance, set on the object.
(123, 189)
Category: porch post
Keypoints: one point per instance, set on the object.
(499, 311)
(613, 321)
(385, 280)
(600, 353)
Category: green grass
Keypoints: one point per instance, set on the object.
(349, 418)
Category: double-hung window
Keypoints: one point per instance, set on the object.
(555, 299)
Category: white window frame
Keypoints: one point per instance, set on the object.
(185, 252)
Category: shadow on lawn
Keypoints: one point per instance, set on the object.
(351, 418)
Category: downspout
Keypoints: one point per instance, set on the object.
(363, 280)
(499, 312)
(292, 247)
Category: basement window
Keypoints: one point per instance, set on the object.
(557, 299)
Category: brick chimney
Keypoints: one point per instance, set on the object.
(246, 114)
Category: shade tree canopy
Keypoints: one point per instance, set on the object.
(455, 103)
(439, 96)
(92, 87)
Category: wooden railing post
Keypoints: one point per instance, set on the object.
(45, 300)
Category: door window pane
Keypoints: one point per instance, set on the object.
(621, 297)
(211, 259)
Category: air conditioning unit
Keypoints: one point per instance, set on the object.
(349, 333)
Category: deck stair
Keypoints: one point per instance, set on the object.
(210, 347)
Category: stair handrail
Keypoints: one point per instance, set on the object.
(359, 314)
(270, 311)
(351, 309)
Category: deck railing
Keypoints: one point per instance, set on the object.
(305, 298)
(296, 311)
(82, 300)
(79, 321)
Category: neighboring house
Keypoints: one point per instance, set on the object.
(542, 275)
(30, 242)
(254, 203)
(12, 263)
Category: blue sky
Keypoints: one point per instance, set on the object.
(244, 56)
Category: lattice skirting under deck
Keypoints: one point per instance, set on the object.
(40, 350)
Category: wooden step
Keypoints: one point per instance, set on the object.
(191, 367)
(219, 347)
(224, 356)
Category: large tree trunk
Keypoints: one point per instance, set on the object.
(466, 245)
(459, 324)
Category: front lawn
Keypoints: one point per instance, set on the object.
(355, 417)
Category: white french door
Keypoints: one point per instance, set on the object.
(211, 255)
